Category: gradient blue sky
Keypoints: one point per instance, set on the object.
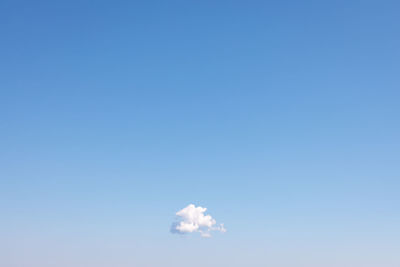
(281, 117)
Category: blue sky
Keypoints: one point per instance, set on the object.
(280, 117)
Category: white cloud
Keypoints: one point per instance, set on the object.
(192, 219)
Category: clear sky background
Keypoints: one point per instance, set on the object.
(281, 117)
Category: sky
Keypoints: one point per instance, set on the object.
(282, 118)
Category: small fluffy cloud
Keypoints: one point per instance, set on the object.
(192, 219)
